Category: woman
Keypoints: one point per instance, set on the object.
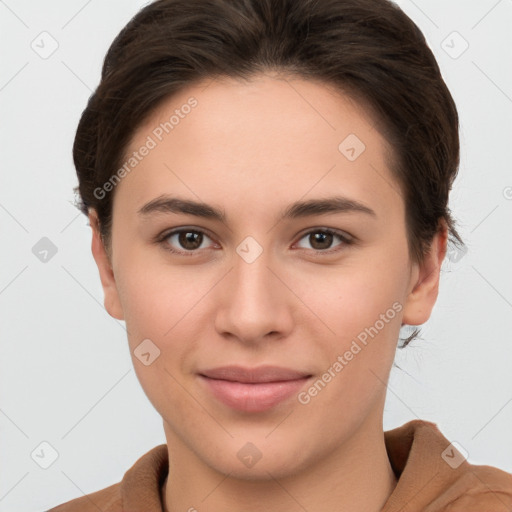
(267, 184)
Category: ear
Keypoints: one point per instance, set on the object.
(425, 280)
(108, 282)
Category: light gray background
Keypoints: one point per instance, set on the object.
(66, 376)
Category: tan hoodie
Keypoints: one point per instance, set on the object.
(432, 477)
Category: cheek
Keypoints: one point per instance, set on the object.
(362, 306)
(155, 297)
(161, 304)
(156, 315)
(349, 298)
(363, 309)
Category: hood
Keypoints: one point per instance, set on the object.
(432, 477)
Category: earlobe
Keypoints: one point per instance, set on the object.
(108, 282)
(425, 282)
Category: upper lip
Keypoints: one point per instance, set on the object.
(254, 375)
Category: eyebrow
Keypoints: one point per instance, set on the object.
(299, 209)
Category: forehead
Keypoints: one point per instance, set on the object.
(235, 142)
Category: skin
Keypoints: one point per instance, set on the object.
(251, 149)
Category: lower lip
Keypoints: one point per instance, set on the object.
(253, 397)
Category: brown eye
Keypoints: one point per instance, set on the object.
(321, 240)
(190, 240)
(184, 241)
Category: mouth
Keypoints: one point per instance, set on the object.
(253, 389)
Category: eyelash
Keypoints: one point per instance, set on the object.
(163, 237)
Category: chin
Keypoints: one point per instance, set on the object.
(259, 460)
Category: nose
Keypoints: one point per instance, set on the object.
(253, 303)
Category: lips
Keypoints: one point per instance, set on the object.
(254, 375)
(253, 389)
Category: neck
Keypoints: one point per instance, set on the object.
(356, 477)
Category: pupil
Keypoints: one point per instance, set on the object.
(321, 237)
(190, 237)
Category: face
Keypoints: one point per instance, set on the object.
(253, 279)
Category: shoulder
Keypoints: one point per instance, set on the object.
(434, 476)
(138, 490)
(478, 488)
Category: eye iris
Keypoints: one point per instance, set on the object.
(322, 238)
(186, 237)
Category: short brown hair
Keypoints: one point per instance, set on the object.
(368, 49)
